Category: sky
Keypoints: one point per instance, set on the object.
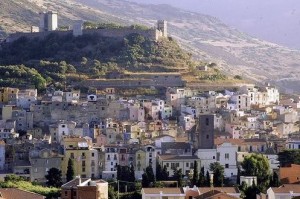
(277, 21)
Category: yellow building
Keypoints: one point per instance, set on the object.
(84, 157)
(7, 112)
(8, 94)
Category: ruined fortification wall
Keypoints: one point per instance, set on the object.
(122, 32)
(152, 34)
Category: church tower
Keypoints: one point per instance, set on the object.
(205, 132)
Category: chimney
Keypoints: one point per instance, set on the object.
(79, 179)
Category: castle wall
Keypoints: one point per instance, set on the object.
(152, 34)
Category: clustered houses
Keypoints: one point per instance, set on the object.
(101, 130)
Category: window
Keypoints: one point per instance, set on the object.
(83, 163)
(226, 166)
(187, 164)
(83, 169)
(167, 165)
(226, 155)
(207, 121)
(93, 155)
(66, 193)
(172, 165)
(207, 136)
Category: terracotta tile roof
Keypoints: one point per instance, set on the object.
(163, 190)
(287, 188)
(219, 141)
(220, 189)
(215, 194)
(177, 157)
(13, 193)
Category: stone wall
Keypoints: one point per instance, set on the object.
(152, 34)
(133, 83)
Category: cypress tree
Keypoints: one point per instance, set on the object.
(159, 175)
(165, 174)
(195, 174)
(132, 175)
(201, 181)
(207, 179)
(70, 170)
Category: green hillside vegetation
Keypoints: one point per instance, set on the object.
(134, 52)
(21, 76)
(63, 59)
(13, 181)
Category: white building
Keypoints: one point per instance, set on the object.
(207, 156)
(226, 156)
(249, 180)
(26, 97)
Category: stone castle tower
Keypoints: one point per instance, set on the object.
(162, 26)
(48, 21)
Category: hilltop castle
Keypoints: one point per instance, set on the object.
(49, 24)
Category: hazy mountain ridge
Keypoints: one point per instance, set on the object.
(206, 37)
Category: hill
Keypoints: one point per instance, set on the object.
(206, 37)
(62, 57)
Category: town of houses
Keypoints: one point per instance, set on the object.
(101, 130)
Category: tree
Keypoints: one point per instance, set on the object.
(195, 174)
(165, 173)
(257, 165)
(218, 178)
(131, 174)
(251, 191)
(218, 171)
(178, 176)
(145, 180)
(150, 174)
(112, 194)
(201, 181)
(288, 157)
(84, 61)
(158, 172)
(238, 175)
(54, 178)
(119, 172)
(70, 170)
(274, 181)
(207, 179)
